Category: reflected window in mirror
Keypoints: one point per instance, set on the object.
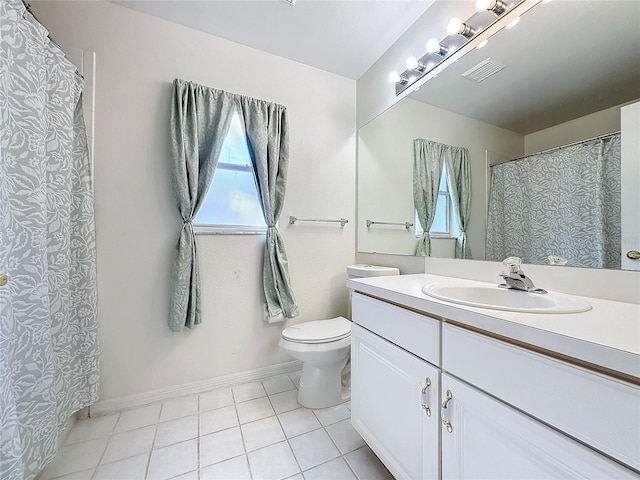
(441, 226)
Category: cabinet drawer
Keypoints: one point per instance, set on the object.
(598, 410)
(415, 333)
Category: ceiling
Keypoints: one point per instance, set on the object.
(344, 37)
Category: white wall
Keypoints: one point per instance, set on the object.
(385, 172)
(137, 57)
(598, 123)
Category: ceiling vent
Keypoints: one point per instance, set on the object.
(483, 70)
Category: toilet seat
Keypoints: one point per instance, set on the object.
(318, 331)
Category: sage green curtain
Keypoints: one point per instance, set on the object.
(200, 119)
(427, 168)
(267, 130)
(459, 181)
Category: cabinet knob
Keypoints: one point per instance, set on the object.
(423, 393)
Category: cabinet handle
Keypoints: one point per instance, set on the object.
(445, 403)
(423, 392)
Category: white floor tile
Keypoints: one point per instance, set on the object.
(366, 465)
(254, 410)
(348, 405)
(330, 415)
(169, 462)
(92, 428)
(234, 469)
(221, 397)
(285, 401)
(83, 475)
(336, 469)
(264, 466)
(277, 384)
(345, 436)
(262, 433)
(298, 422)
(128, 444)
(77, 457)
(138, 417)
(193, 475)
(134, 468)
(313, 448)
(219, 419)
(220, 446)
(248, 391)
(297, 476)
(179, 407)
(176, 431)
(187, 476)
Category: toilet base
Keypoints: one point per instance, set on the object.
(321, 387)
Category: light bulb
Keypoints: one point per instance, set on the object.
(513, 23)
(482, 44)
(453, 27)
(412, 63)
(433, 45)
(394, 77)
(483, 4)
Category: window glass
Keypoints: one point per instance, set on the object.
(232, 199)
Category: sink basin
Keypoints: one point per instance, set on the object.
(496, 298)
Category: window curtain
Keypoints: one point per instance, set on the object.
(267, 130)
(200, 119)
(48, 320)
(459, 181)
(427, 169)
(564, 202)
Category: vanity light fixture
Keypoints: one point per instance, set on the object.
(435, 47)
(395, 77)
(497, 7)
(414, 64)
(458, 27)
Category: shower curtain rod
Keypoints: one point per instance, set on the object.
(598, 137)
(27, 6)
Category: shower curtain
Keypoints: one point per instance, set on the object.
(564, 202)
(48, 326)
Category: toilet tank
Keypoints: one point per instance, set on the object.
(363, 271)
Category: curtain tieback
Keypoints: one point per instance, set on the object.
(271, 225)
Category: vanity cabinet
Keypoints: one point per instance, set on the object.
(495, 409)
(395, 393)
(487, 439)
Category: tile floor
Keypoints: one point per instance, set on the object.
(252, 431)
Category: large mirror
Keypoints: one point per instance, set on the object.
(569, 67)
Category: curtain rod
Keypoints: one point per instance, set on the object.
(27, 6)
(598, 137)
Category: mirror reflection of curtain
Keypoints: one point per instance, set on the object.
(200, 119)
(428, 160)
(564, 202)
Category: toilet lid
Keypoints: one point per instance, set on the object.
(318, 331)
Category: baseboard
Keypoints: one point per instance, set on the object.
(116, 404)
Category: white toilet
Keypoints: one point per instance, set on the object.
(324, 347)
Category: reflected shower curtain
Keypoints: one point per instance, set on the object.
(48, 326)
(564, 202)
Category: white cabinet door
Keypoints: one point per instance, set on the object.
(488, 439)
(387, 385)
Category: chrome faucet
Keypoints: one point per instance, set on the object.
(515, 277)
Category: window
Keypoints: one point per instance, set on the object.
(441, 225)
(232, 203)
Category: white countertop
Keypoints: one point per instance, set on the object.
(608, 335)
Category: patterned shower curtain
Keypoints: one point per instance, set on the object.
(48, 325)
(564, 202)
